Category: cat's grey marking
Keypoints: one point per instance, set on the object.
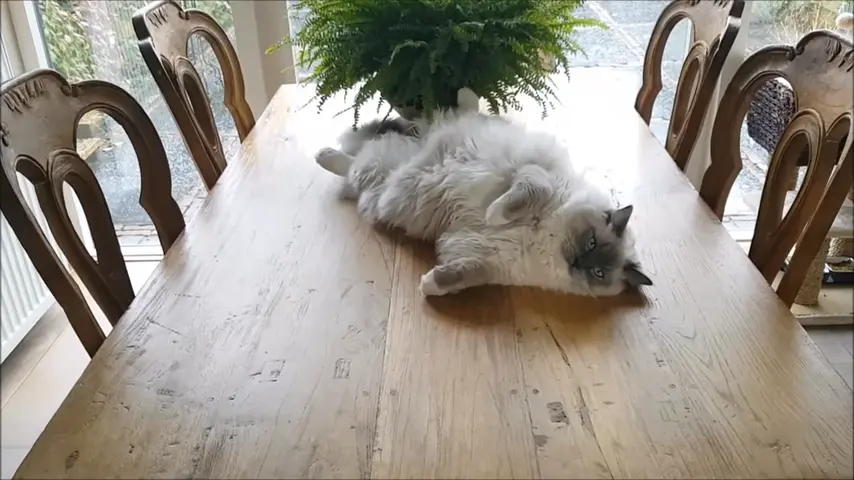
(619, 219)
(460, 274)
(596, 255)
(634, 277)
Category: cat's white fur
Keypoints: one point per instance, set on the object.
(502, 203)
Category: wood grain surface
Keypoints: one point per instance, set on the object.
(283, 337)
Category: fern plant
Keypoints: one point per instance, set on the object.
(419, 53)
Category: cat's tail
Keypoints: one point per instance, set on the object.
(467, 100)
(334, 161)
(352, 141)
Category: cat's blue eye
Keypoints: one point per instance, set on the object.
(599, 273)
(591, 244)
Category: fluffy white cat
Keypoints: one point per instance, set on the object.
(502, 204)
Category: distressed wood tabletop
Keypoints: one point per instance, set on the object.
(281, 336)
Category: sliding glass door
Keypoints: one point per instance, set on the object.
(772, 22)
(89, 39)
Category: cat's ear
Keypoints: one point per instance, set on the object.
(619, 219)
(634, 277)
(530, 191)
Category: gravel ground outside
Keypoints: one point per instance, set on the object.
(116, 166)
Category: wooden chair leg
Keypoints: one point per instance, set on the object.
(808, 294)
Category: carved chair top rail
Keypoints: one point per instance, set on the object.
(819, 69)
(38, 139)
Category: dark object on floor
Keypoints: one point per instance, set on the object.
(771, 109)
(839, 273)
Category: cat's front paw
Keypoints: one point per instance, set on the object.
(326, 153)
(333, 161)
(428, 286)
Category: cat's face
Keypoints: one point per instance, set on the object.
(583, 247)
(597, 249)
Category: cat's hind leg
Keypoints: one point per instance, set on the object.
(454, 276)
(334, 161)
(348, 192)
(464, 262)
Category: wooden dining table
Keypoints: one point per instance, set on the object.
(282, 336)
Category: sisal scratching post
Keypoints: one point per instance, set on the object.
(808, 294)
(843, 247)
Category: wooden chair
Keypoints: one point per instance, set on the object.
(40, 112)
(715, 24)
(819, 69)
(163, 29)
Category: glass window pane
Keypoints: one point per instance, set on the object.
(786, 21)
(773, 22)
(94, 39)
(204, 59)
(620, 49)
(296, 18)
(6, 67)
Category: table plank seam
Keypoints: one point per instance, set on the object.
(527, 397)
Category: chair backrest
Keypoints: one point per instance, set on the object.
(714, 25)
(820, 69)
(40, 113)
(164, 29)
(60, 284)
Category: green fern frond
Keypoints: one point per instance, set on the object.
(421, 52)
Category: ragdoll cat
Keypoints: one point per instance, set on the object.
(502, 204)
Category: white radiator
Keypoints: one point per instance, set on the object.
(24, 298)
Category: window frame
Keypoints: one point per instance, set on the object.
(257, 25)
(700, 157)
